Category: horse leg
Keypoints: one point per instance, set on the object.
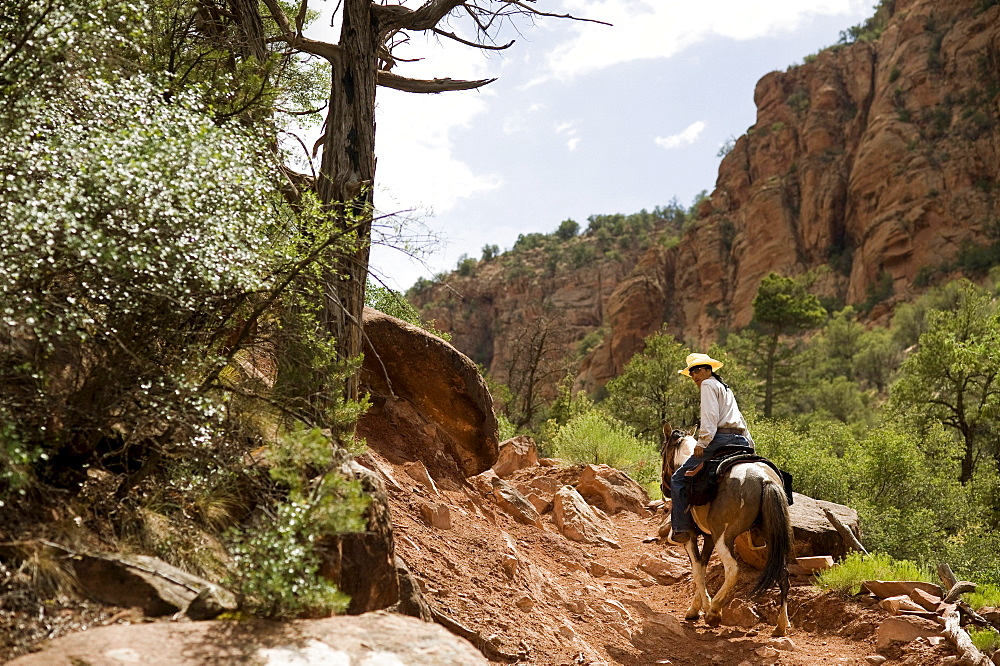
(699, 563)
(783, 623)
(714, 615)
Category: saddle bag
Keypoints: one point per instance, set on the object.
(705, 484)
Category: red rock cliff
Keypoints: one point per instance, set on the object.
(878, 161)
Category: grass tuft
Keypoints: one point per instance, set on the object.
(846, 577)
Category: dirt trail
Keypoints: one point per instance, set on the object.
(531, 592)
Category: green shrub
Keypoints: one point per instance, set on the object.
(596, 438)
(848, 574)
(276, 562)
(987, 595)
(985, 640)
(396, 305)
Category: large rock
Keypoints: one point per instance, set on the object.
(158, 588)
(516, 453)
(382, 638)
(579, 522)
(814, 535)
(612, 490)
(429, 401)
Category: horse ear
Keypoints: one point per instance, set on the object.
(667, 429)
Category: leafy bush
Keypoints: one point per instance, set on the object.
(396, 305)
(985, 640)
(594, 437)
(987, 595)
(137, 234)
(276, 563)
(848, 574)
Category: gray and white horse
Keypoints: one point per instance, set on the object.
(750, 496)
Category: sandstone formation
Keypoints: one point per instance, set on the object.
(429, 402)
(875, 164)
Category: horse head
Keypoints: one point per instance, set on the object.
(677, 447)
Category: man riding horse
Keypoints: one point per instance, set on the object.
(722, 426)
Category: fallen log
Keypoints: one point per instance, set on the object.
(847, 535)
(968, 653)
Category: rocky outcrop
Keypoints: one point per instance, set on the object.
(874, 164)
(429, 402)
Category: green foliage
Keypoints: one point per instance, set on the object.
(466, 266)
(784, 305)
(567, 229)
(396, 305)
(134, 232)
(276, 563)
(872, 27)
(490, 252)
(799, 100)
(950, 378)
(846, 577)
(985, 640)
(649, 392)
(593, 437)
(985, 596)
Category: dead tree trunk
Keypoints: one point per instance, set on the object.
(347, 172)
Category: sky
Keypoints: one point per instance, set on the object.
(583, 118)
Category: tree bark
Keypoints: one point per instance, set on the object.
(347, 172)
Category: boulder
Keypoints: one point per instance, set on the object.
(905, 628)
(120, 579)
(516, 453)
(382, 637)
(429, 401)
(363, 564)
(814, 535)
(576, 520)
(611, 490)
(514, 503)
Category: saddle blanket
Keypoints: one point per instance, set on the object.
(704, 484)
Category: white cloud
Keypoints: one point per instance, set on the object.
(685, 137)
(570, 131)
(418, 168)
(646, 29)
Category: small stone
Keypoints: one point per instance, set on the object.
(783, 643)
(566, 630)
(766, 651)
(525, 603)
(875, 659)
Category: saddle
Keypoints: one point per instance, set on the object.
(705, 482)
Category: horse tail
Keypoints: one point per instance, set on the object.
(777, 533)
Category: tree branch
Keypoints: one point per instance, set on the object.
(293, 37)
(458, 39)
(396, 82)
(532, 10)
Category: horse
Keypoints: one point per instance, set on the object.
(750, 495)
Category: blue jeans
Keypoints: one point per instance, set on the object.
(680, 483)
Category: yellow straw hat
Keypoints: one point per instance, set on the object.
(699, 359)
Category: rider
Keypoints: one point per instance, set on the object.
(722, 425)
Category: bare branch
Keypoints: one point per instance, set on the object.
(458, 39)
(532, 10)
(390, 80)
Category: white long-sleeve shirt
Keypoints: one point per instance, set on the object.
(718, 410)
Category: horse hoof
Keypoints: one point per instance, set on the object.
(779, 632)
(713, 620)
(691, 616)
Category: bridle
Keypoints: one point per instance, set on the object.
(667, 465)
